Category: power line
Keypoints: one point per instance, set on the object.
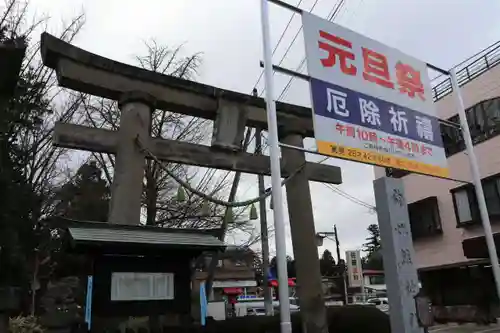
(330, 17)
(338, 190)
(254, 91)
(332, 14)
(279, 41)
(289, 83)
(292, 42)
(335, 10)
(350, 197)
(348, 11)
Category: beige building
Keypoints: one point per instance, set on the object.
(443, 212)
(234, 274)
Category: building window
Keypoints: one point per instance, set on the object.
(491, 194)
(463, 206)
(465, 201)
(453, 141)
(484, 121)
(424, 218)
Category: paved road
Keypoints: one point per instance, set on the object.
(466, 328)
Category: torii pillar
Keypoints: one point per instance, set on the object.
(305, 250)
(126, 191)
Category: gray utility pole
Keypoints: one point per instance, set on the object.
(339, 260)
(400, 272)
(268, 300)
(343, 275)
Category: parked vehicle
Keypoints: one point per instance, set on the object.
(381, 303)
(259, 309)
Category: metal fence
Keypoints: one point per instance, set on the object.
(467, 70)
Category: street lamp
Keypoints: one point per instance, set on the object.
(319, 240)
(320, 236)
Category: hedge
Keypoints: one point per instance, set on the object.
(345, 319)
(342, 319)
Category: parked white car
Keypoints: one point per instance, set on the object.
(381, 303)
(258, 308)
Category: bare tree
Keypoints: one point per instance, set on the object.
(160, 205)
(42, 167)
(40, 101)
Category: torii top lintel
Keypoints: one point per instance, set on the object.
(86, 72)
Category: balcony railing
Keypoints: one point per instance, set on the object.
(467, 70)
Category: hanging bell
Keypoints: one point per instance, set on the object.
(181, 194)
(253, 213)
(229, 215)
(205, 208)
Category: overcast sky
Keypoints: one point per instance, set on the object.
(227, 32)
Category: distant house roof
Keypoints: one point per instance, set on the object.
(233, 253)
(99, 234)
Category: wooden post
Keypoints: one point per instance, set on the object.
(135, 122)
(310, 290)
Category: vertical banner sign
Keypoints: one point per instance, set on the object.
(354, 268)
(371, 103)
(399, 265)
(88, 302)
(203, 304)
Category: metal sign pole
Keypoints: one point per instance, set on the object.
(476, 179)
(277, 195)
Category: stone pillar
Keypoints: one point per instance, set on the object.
(312, 304)
(399, 256)
(135, 121)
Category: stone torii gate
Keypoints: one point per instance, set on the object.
(139, 92)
